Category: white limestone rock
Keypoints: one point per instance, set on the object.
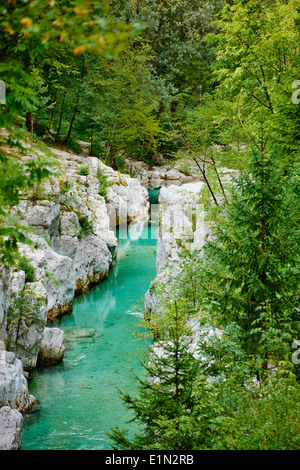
(69, 224)
(56, 272)
(17, 283)
(127, 200)
(27, 320)
(5, 287)
(52, 349)
(91, 262)
(158, 174)
(179, 210)
(44, 217)
(183, 226)
(173, 174)
(98, 208)
(156, 296)
(90, 258)
(13, 384)
(66, 259)
(11, 425)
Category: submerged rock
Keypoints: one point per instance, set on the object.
(78, 334)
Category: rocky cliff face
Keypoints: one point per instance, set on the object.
(73, 238)
(182, 228)
(180, 217)
(73, 242)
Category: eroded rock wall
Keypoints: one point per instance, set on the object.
(182, 228)
(72, 217)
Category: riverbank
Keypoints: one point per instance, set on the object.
(72, 217)
(74, 248)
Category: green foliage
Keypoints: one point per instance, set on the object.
(26, 266)
(104, 183)
(213, 123)
(74, 146)
(84, 170)
(176, 30)
(17, 176)
(137, 132)
(65, 186)
(257, 53)
(253, 264)
(249, 414)
(86, 226)
(165, 399)
(127, 107)
(28, 28)
(98, 150)
(29, 31)
(269, 420)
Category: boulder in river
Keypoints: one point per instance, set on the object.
(52, 349)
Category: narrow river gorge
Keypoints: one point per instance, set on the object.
(78, 398)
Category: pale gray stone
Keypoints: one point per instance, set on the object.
(43, 217)
(5, 285)
(69, 224)
(52, 348)
(29, 317)
(13, 384)
(11, 424)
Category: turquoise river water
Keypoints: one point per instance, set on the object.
(78, 398)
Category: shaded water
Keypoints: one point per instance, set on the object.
(79, 402)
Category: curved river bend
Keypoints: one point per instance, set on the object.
(79, 401)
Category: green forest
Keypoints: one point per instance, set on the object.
(215, 82)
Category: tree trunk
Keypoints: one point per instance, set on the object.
(61, 115)
(219, 179)
(138, 7)
(72, 120)
(76, 107)
(92, 139)
(206, 180)
(29, 124)
(51, 115)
